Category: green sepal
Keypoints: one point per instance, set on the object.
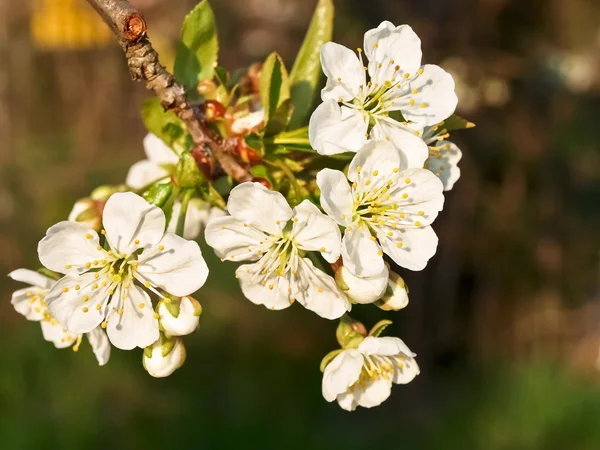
(187, 173)
(167, 346)
(274, 89)
(306, 72)
(147, 354)
(49, 273)
(255, 142)
(173, 305)
(279, 121)
(455, 122)
(158, 194)
(214, 198)
(379, 327)
(197, 49)
(328, 358)
(350, 333)
(102, 193)
(164, 124)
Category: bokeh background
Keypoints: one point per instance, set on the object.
(505, 319)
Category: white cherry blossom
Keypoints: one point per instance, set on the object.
(362, 289)
(263, 228)
(31, 303)
(443, 155)
(159, 163)
(364, 376)
(354, 109)
(103, 283)
(388, 208)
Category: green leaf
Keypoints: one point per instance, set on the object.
(379, 327)
(274, 87)
(455, 122)
(222, 75)
(306, 72)
(164, 124)
(187, 173)
(278, 122)
(158, 194)
(254, 141)
(197, 48)
(328, 358)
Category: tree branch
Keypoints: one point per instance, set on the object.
(129, 27)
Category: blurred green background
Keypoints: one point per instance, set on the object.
(505, 319)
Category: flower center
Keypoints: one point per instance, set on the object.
(377, 367)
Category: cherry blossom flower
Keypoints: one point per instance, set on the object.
(364, 376)
(164, 357)
(388, 208)
(263, 228)
(182, 321)
(31, 303)
(396, 294)
(102, 285)
(354, 109)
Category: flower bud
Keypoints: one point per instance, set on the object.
(362, 290)
(87, 212)
(102, 193)
(350, 333)
(180, 316)
(396, 295)
(207, 88)
(164, 357)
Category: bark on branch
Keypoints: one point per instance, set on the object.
(129, 27)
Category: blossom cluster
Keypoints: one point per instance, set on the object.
(124, 266)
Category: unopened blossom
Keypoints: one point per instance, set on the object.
(249, 122)
(364, 376)
(387, 208)
(31, 303)
(362, 289)
(197, 216)
(88, 212)
(159, 164)
(104, 283)
(263, 228)
(396, 294)
(181, 320)
(443, 155)
(164, 357)
(355, 110)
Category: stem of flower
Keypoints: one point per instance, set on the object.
(185, 201)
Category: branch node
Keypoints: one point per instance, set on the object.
(134, 28)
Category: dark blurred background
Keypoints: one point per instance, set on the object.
(505, 319)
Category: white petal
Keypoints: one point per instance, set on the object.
(419, 197)
(136, 327)
(28, 302)
(374, 393)
(158, 152)
(405, 371)
(68, 246)
(400, 44)
(55, 333)
(365, 290)
(347, 401)
(410, 248)
(76, 309)
(247, 123)
(445, 164)
(159, 365)
(318, 292)
(344, 72)
(100, 345)
(144, 173)
(175, 265)
(128, 218)
(271, 291)
(360, 253)
(435, 89)
(32, 278)
(412, 147)
(341, 373)
(336, 196)
(233, 241)
(384, 346)
(314, 231)
(374, 165)
(257, 206)
(334, 129)
(196, 217)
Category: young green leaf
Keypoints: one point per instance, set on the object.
(306, 72)
(158, 194)
(455, 122)
(164, 124)
(274, 87)
(197, 48)
(187, 173)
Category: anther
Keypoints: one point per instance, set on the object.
(120, 311)
(395, 170)
(98, 307)
(421, 213)
(84, 309)
(399, 245)
(407, 180)
(68, 266)
(136, 242)
(417, 223)
(104, 324)
(88, 236)
(65, 289)
(161, 247)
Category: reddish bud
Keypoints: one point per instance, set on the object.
(247, 154)
(262, 181)
(214, 110)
